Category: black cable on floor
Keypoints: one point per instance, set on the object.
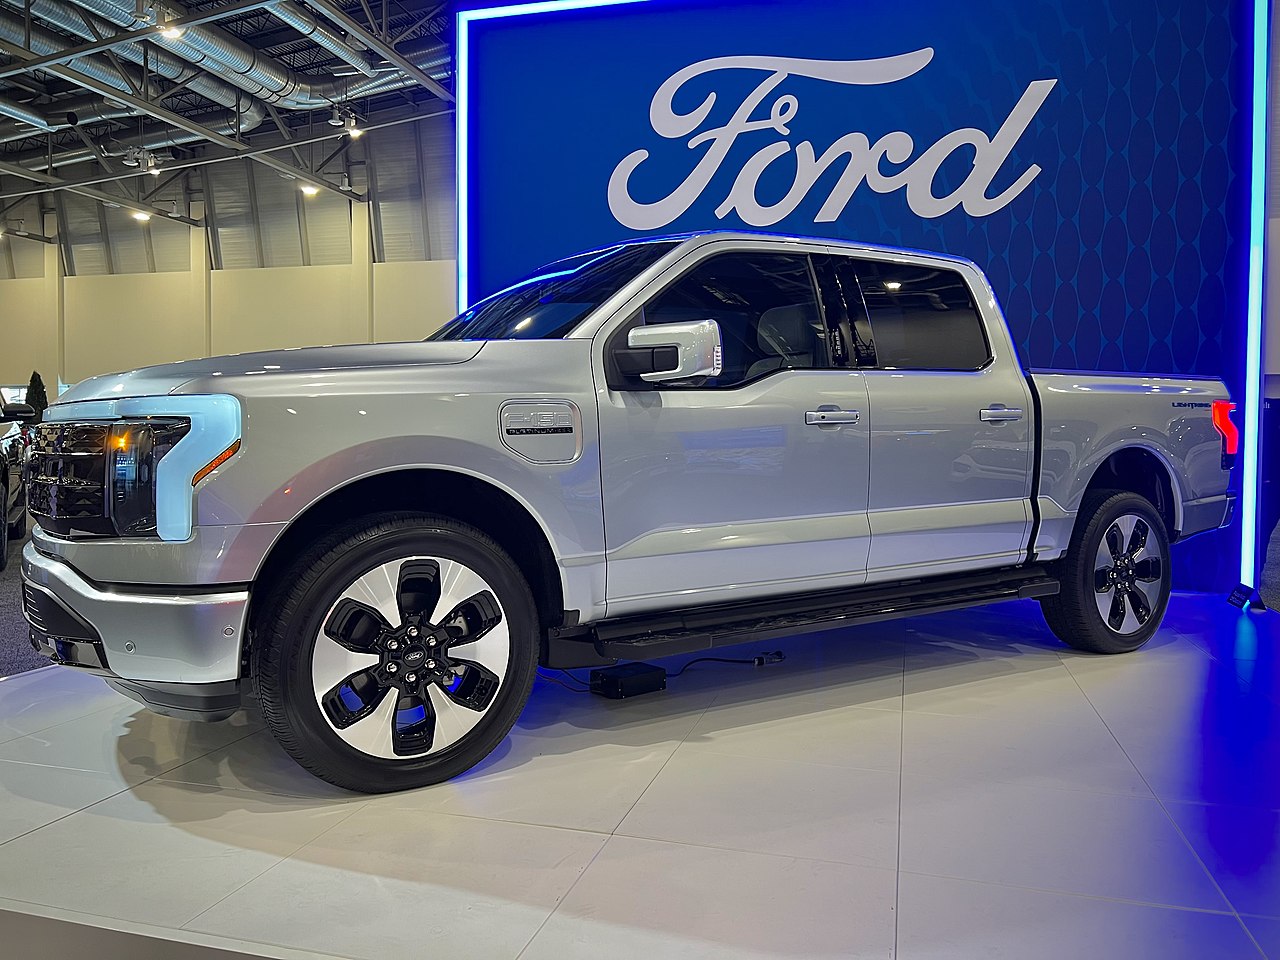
(758, 661)
(559, 682)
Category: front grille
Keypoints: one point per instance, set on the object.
(66, 485)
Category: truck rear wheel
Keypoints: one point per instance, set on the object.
(1115, 576)
(396, 653)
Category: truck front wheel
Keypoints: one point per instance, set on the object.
(396, 653)
(1115, 576)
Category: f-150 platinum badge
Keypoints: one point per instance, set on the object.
(542, 431)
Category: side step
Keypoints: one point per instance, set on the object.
(702, 628)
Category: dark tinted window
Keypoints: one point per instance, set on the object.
(922, 318)
(765, 305)
(552, 301)
(851, 341)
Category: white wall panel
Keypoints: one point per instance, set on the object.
(130, 320)
(28, 331)
(410, 300)
(285, 307)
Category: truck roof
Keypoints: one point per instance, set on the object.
(706, 236)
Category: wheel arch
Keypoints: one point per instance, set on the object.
(1144, 470)
(461, 496)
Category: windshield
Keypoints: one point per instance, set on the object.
(551, 302)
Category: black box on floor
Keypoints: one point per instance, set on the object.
(627, 680)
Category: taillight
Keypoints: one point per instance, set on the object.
(1222, 422)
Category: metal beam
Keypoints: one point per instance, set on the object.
(253, 212)
(162, 184)
(104, 237)
(64, 236)
(379, 46)
(285, 132)
(54, 183)
(256, 153)
(337, 152)
(129, 36)
(304, 239)
(146, 106)
(211, 220)
(422, 190)
(375, 208)
(421, 22)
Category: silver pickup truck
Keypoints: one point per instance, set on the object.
(654, 448)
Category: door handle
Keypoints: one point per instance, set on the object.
(1000, 414)
(822, 418)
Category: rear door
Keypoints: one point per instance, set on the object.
(951, 416)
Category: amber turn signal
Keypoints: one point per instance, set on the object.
(215, 463)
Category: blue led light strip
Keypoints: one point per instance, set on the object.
(462, 89)
(1254, 314)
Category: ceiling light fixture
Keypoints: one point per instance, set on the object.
(153, 168)
(141, 216)
(335, 118)
(352, 129)
(172, 32)
(346, 182)
(132, 157)
(310, 189)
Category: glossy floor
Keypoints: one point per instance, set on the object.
(953, 786)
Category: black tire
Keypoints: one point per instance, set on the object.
(307, 600)
(18, 529)
(1134, 591)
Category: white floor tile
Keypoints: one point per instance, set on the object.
(1241, 848)
(771, 806)
(801, 728)
(1083, 756)
(1019, 689)
(853, 667)
(945, 919)
(160, 853)
(1218, 751)
(643, 899)
(572, 761)
(387, 884)
(126, 740)
(257, 764)
(1068, 841)
(49, 696)
(31, 796)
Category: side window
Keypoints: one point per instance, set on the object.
(766, 307)
(923, 318)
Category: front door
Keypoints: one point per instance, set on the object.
(748, 484)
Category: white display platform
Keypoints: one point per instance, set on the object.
(951, 786)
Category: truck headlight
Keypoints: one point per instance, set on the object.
(134, 450)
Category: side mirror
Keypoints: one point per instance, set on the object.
(667, 352)
(19, 412)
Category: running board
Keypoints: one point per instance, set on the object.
(702, 628)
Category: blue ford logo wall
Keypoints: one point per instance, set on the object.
(1093, 157)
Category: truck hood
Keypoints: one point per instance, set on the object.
(170, 377)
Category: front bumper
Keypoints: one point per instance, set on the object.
(165, 635)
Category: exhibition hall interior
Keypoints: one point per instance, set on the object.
(639, 479)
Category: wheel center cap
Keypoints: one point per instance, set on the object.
(414, 656)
